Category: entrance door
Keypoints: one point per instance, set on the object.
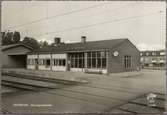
(36, 64)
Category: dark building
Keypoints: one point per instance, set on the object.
(105, 56)
(152, 58)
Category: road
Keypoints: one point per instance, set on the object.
(102, 94)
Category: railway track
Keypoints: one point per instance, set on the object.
(73, 93)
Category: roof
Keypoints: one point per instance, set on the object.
(5, 47)
(89, 45)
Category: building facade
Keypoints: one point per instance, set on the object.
(152, 58)
(106, 56)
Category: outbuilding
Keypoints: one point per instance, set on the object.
(15, 55)
(105, 56)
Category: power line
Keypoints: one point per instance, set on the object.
(111, 9)
(105, 22)
(59, 15)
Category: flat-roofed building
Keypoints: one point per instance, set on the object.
(153, 58)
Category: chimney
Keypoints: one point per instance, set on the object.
(83, 39)
(57, 40)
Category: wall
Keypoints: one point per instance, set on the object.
(116, 64)
(14, 57)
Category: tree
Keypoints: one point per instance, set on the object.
(16, 37)
(10, 37)
(31, 42)
(43, 44)
(3, 37)
(7, 40)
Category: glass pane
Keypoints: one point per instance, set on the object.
(89, 54)
(93, 54)
(89, 63)
(64, 62)
(76, 63)
(93, 62)
(103, 62)
(98, 62)
(98, 54)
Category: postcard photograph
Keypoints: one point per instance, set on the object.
(83, 57)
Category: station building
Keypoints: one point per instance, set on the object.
(105, 56)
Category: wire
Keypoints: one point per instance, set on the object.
(59, 15)
(105, 22)
(98, 13)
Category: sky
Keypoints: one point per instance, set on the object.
(143, 23)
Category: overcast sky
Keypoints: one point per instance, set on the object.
(143, 23)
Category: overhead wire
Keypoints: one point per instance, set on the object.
(51, 17)
(98, 13)
(100, 23)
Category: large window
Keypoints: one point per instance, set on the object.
(59, 62)
(77, 60)
(96, 59)
(127, 61)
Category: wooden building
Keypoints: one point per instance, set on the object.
(105, 56)
(15, 55)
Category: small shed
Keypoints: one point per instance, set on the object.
(15, 55)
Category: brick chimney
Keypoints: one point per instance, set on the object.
(83, 39)
(57, 40)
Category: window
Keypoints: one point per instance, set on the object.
(64, 62)
(97, 59)
(153, 53)
(59, 62)
(147, 54)
(77, 60)
(41, 61)
(162, 53)
(141, 54)
(31, 61)
(103, 62)
(55, 63)
(47, 62)
(127, 61)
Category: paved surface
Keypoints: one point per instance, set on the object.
(70, 76)
(102, 94)
(142, 105)
(28, 82)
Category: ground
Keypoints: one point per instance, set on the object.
(103, 93)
